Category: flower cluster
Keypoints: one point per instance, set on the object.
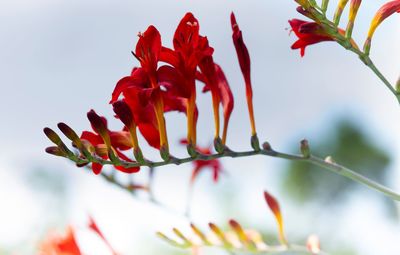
(322, 29)
(164, 81)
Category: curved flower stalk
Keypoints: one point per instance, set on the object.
(323, 29)
(240, 240)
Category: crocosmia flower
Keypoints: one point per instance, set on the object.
(244, 61)
(60, 244)
(308, 33)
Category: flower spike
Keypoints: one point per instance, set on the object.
(274, 206)
(384, 12)
(244, 61)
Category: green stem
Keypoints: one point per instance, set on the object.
(336, 168)
(364, 57)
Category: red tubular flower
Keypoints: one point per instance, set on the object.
(384, 12)
(199, 165)
(148, 50)
(189, 50)
(308, 33)
(104, 140)
(215, 81)
(60, 245)
(244, 61)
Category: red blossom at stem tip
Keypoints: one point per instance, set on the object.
(308, 33)
(244, 62)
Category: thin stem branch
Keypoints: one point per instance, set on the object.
(326, 164)
(348, 44)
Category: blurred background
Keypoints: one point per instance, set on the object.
(59, 59)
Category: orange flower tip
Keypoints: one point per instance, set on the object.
(305, 148)
(267, 146)
(69, 132)
(255, 143)
(272, 203)
(97, 122)
(54, 150)
(52, 135)
(313, 244)
(218, 145)
(234, 224)
(124, 113)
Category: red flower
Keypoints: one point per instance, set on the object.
(199, 165)
(308, 33)
(216, 82)
(60, 245)
(189, 49)
(104, 140)
(244, 61)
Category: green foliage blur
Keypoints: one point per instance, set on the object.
(349, 145)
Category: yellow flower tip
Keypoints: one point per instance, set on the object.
(313, 244)
(339, 11)
(274, 207)
(384, 12)
(354, 6)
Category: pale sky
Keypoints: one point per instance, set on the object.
(59, 59)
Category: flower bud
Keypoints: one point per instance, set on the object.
(274, 207)
(305, 148)
(54, 150)
(354, 6)
(255, 143)
(339, 10)
(218, 145)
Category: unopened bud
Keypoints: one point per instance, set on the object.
(54, 150)
(70, 134)
(255, 143)
(52, 136)
(324, 5)
(267, 146)
(305, 148)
